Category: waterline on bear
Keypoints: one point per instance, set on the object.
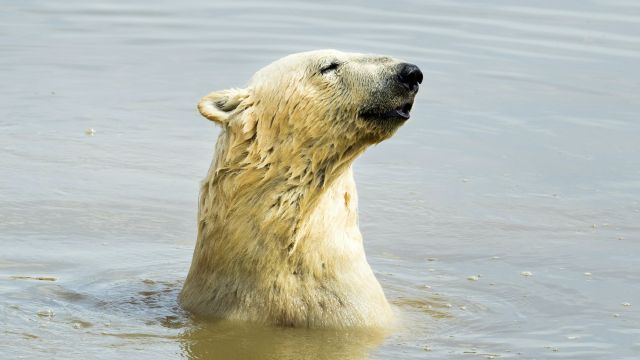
(278, 237)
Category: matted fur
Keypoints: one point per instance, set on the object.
(278, 237)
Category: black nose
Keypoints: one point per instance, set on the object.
(410, 76)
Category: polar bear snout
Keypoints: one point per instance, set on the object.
(389, 105)
(409, 76)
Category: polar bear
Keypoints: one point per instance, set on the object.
(278, 238)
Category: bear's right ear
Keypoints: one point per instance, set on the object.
(218, 106)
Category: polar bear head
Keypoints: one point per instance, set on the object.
(319, 98)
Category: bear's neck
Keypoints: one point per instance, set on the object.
(269, 202)
(283, 234)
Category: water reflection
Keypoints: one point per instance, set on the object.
(233, 340)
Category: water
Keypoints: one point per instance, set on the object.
(522, 156)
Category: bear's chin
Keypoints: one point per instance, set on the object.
(400, 113)
(384, 123)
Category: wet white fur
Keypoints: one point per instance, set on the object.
(278, 237)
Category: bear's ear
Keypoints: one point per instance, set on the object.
(218, 106)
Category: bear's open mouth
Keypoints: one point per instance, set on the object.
(399, 113)
(403, 111)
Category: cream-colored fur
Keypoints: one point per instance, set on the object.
(278, 237)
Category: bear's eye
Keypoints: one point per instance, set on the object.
(330, 67)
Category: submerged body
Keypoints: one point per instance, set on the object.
(278, 237)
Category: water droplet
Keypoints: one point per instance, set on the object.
(79, 324)
(46, 313)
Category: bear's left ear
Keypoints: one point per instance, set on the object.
(220, 105)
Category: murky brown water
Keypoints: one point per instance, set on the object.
(503, 220)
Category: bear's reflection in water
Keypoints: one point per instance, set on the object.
(233, 340)
(200, 338)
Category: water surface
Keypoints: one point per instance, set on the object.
(502, 220)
